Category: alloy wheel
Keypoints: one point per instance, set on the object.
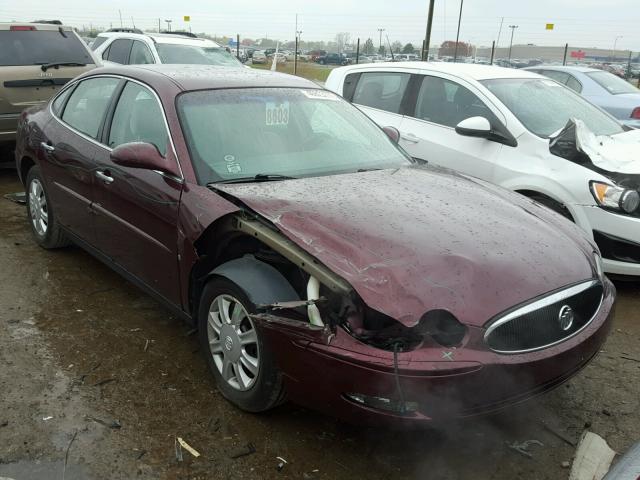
(233, 342)
(38, 209)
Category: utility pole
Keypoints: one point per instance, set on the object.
(455, 52)
(613, 52)
(380, 30)
(120, 13)
(168, 24)
(159, 26)
(513, 29)
(499, 32)
(427, 40)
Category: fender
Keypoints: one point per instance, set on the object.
(262, 283)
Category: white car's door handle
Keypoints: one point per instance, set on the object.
(104, 177)
(48, 148)
(410, 137)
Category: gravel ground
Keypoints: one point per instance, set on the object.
(79, 388)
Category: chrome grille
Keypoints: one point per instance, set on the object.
(538, 324)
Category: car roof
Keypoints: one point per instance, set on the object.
(205, 77)
(469, 70)
(39, 26)
(175, 39)
(568, 68)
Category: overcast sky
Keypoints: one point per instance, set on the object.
(584, 23)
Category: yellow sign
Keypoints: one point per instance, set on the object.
(187, 18)
(550, 26)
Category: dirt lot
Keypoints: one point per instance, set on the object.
(76, 382)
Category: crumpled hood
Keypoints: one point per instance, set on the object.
(613, 153)
(414, 239)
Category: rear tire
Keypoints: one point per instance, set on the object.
(236, 354)
(42, 218)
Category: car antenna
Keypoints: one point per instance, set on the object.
(61, 30)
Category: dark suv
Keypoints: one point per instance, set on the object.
(36, 59)
(333, 59)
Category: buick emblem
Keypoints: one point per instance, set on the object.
(228, 343)
(565, 317)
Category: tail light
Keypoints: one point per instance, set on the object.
(636, 113)
(21, 28)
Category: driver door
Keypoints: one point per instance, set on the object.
(428, 132)
(137, 209)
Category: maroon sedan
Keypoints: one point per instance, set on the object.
(319, 263)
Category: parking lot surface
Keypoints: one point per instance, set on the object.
(98, 380)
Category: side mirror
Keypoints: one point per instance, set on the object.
(474, 127)
(143, 155)
(393, 133)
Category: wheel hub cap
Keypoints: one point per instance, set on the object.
(38, 209)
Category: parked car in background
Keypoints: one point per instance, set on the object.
(127, 48)
(333, 59)
(408, 314)
(36, 60)
(259, 57)
(280, 57)
(516, 129)
(604, 89)
(315, 54)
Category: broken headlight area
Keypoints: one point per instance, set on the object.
(436, 328)
(615, 198)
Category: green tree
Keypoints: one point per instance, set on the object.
(369, 49)
(408, 48)
(396, 47)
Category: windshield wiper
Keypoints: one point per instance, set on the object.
(260, 177)
(46, 66)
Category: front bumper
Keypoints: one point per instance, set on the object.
(443, 383)
(618, 238)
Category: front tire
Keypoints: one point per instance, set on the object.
(42, 219)
(236, 354)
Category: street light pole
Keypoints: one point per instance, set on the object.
(455, 52)
(513, 29)
(169, 24)
(427, 40)
(615, 43)
(380, 30)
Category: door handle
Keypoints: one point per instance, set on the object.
(104, 177)
(48, 148)
(410, 137)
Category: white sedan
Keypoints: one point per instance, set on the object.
(519, 130)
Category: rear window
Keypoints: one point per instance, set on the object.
(614, 85)
(36, 47)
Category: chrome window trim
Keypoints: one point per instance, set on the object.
(106, 147)
(541, 303)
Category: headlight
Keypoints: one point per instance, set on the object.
(611, 196)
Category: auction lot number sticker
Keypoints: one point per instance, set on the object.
(277, 113)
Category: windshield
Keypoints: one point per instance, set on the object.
(193, 54)
(280, 131)
(36, 47)
(544, 106)
(612, 84)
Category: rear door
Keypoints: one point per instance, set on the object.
(378, 94)
(24, 83)
(427, 132)
(137, 209)
(118, 51)
(69, 147)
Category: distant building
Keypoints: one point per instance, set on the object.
(556, 54)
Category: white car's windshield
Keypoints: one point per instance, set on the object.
(240, 133)
(544, 106)
(193, 54)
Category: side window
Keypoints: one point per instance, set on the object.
(119, 51)
(140, 54)
(349, 87)
(574, 84)
(59, 102)
(138, 118)
(88, 103)
(382, 90)
(560, 77)
(447, 103)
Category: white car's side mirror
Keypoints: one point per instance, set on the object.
(474, 127)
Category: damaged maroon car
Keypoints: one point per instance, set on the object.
(318, 261)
